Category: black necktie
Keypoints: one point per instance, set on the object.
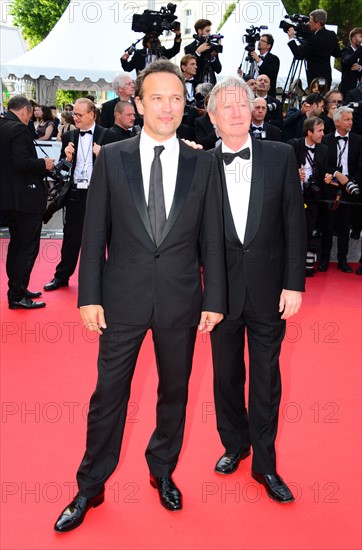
(243, 154)
(342, 138)
(156, 200)
(86, 132)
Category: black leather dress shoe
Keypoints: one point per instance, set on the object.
(170, 495)
(74, 514)
(31, 295)
(323, 267)
(343, 266)
(25, 303)
(229, 462)
(359, 270)
(55, 283)
(275, 487)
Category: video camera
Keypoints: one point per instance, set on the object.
(250, 39)
(154, 23)
(300, 26)
(213, 40)
(60, 174)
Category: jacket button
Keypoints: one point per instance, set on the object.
(157, 255)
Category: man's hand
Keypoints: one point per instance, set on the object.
(255, 56)
(328, 178)
(356, 67)
(305, 108)
(192, 144)
(93, 318)
(343, 180)
(96, 149)
(125, 56)
(204, 47)
(69, 151)
(209, 320)
(289, 303)
(49, 164)
(291, 33)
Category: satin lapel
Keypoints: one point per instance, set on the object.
(256, 193)
(230, 231)
(184, 179)
(132, 166)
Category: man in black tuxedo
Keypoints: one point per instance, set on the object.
(344, 165)
(208, 62)
(123, 128)
(23, 199)
(149, 280)
(81, 147)
(123, 86)
(188, 66)
(267, 62)
(316, 49)
(151, 50)
(312, 157)
(260, 129)
(265, 256)
(351, 61)
(312, 105)
(274, 114)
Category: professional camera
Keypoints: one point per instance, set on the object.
(258, 135)
(272, 107)
(352, 188)
(60, 174)
(300, 25)
(155, 22)
(213, 40)
(353, 105)
(251, 38)
(311, 188)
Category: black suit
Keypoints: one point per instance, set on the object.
(272, 257)
(206, 68)
(141, 286)
(74, 210)
(23, 199)
(138, 59)
(317, 51)
(350, 78)
(341, 218)
(205, 132)
(272, 133)
(270, 67)
(116, 133)
(274, 116)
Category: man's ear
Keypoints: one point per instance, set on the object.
(212, 117)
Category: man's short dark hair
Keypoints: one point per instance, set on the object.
(310, 124)
(356, 30)
(269, 38)
(201, 24)
(158, 66)
(186, 58)
(121, 105)
(18, 102)
(314, 98)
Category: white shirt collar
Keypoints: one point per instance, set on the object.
(226, 149)
(149, 142)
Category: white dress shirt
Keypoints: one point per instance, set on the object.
(342, 146)
(84, 163)
(169, 161)
(238, 182)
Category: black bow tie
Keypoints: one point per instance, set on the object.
(261, 56)
(86, 132)
(190, 80)
(311, 149)
(243, 154)
(256, 128)
(342, 138)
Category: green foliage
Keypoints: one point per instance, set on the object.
(227, 14)
(36, 18)
(67, 96)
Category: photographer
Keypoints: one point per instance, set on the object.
(267, 62)
(22, 199)
(274, 115)
(342, 185)
(312, 106)
(123, 87)
(151, 50)
(260, 129)
(312, 158)
(351, 61)
(317, 48)
(333, 99)
(208, 62)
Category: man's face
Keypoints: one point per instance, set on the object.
(263, 45)
(263, 83)
(259, 111)
(344, 124)
(83, 118)
(317, 108)
(125, 119)
(334, 99)
(190, 68)
(127, 90)
(312, 24)
(357, 39)
(206, 31)
(162, 105)
(232, 116)
(252, 84)
(317, 134)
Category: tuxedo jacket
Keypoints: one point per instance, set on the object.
(205, 132)
(354, 163)
(21, 172)
(270, 67)
(138, 279)
(272, 256)
(73, 136)
(274, 117)
(350, 78)
(116, 133)
(272, 132)
(202, 61)
(138, 59)
(317, 50)
(320, 157)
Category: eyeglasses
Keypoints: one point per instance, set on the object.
(265, 41)
(79, 115)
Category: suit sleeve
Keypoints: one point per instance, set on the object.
(171, 52)
(294, 227)
(348, 58)
(21, 158)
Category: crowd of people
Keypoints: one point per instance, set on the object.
(146, 214)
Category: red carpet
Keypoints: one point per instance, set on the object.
(48, 373)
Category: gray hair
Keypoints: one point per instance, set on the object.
(204, 88)
(119, 80)
(319, 16)
(337, 113)
(230, 82)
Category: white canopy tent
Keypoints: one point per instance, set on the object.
(257, 13)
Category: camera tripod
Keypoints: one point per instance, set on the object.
(293, 91)
(248, 65)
